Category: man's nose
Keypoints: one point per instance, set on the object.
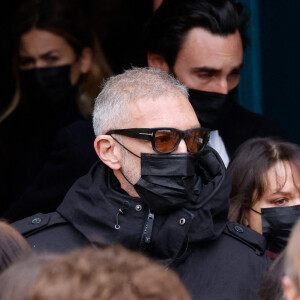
(222, 86)
(182, 148)
(40, 64)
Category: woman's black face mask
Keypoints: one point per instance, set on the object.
(277, 224)
(46, 89)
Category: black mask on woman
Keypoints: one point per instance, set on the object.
(46, 90)
(211, 108)
(277, 224)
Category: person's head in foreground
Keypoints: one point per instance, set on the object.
(16, 280)
(111, 274)
(266, 188)
(13, 245)
(291, 280)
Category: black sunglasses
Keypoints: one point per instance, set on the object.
(166, 140)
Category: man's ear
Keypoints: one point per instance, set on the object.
(108, 151)
(289, 289)
(157, 61)
(85, 59)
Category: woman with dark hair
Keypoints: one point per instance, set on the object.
(58, 67)
(265, 192)
(13, 246)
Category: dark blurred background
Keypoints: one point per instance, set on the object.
(270, 82)
(280, 63)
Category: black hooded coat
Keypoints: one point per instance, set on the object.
(216, 259)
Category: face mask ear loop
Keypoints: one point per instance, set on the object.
(129, 152)
(125, 147)
(125, 177)
(255, 210)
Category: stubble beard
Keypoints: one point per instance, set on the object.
(131, 171)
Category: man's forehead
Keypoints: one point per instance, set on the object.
(208, 38)
(167, 110)
(203, 45)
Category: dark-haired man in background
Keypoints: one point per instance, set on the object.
(201, 43)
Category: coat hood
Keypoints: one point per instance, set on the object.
(104, 213)
(211, 210)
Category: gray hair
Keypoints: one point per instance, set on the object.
(110, 110)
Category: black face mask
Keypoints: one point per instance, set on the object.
(46, 89)
(277, 224)
(212, 109)
(167, 181)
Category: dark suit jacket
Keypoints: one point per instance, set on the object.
(243, 125)
(71, 156)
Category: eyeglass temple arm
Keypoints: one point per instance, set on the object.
(134, 134)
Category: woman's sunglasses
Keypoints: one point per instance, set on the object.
(166, 140)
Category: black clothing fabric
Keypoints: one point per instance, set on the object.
(216, 259)
(242, 125)
(41, 156)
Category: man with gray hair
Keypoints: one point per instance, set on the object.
(157, 188)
